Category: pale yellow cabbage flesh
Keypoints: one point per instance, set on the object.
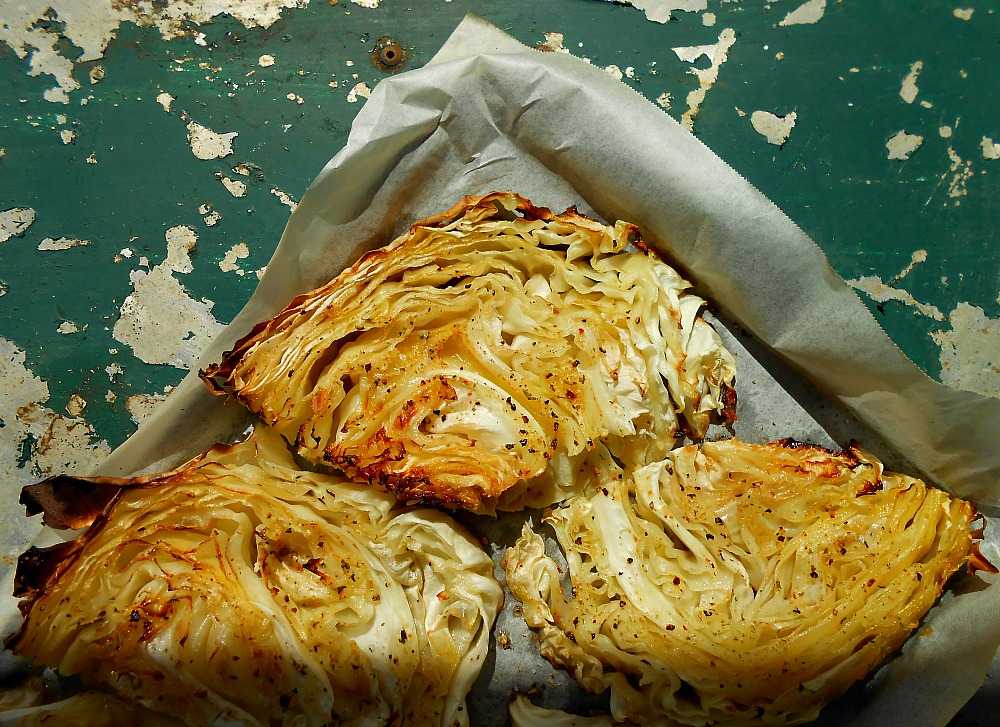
(734, 582)
(243, 589)
(476, 359)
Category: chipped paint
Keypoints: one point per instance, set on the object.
(181, 240)
(67, 327)
(991, 149)
(717, 53)
(945, 132)
(880, 293)
(15, 221)
(239, 251)
(970, 351)
(296, 98)
(708, 20)
(114, 370)
(659, 11)
(963, 13)
(207, 144)
(35, 442)
(775, 129)
(141, 406)
(235, 186)
(265, 61)
(67, 136)
(361, 90)
(810, 12)
(908, 91)
(76, 405)
(916, 258)
(61, 243)
(92, 159)
(614, 71)
(285, 198)
(664, 100)
(90, 26)
(370, 4)
(902, 145)
(554, 42)
(165, 100)
(961, 172)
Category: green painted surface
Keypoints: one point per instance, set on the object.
(841, 76)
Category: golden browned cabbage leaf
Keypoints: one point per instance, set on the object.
(475, 359)
(732, 582)
(240, 589)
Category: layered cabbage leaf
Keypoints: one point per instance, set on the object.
(241, 589)
(476, 358)
(733, 582)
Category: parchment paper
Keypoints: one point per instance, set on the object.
(490, 114)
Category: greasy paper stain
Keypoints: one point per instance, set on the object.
(809, 12)
(35, 442)
(716, 53)
(970, 351)
(659, 11)
(908, 91)
(90, 26)
(775, 129)
(159, 320)
(902, 145)
(207, 144)
(15, 221)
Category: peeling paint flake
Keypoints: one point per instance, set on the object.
(810, 12)
(207, 144)
(970, 351)
(775, 129)
(90, 27)
(61, 243)
(908, 91)
(717, 53)
(659, 11)
(880, 293)
(991, 149)
(902, 145)
(15, 221)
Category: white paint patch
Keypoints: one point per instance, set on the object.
(53, 443)
(775, 129)
(285, 199)
(991, 149)
(15, 221)
(902, 145)
(207, 144)
(717, 53)
(61, 243)
(880, 293)
(810, 12)
(265, 61)
(614, 71)
(67, 136)
(141, 406)
(181, 240)
(239, 251)
(554, 42)
(664, 100)
(970, 351)
(361, 90)
(916, 258)
(963, 14)
(90, 26)
(908, 91)
(67, 327)
(370, 4)
(659, 11)
(235, 186)
(165, 100)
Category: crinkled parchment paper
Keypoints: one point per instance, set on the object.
(489, 114)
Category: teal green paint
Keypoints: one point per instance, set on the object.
(832, 175)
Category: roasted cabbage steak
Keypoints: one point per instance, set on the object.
(732, 583)
(476, 358)
(242, 589)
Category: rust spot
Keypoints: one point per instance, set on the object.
(388, 55)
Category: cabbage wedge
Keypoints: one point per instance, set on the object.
(241, 589)
(475, 360)
(732, 583)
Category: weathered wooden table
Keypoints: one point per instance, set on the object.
(148, 164)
